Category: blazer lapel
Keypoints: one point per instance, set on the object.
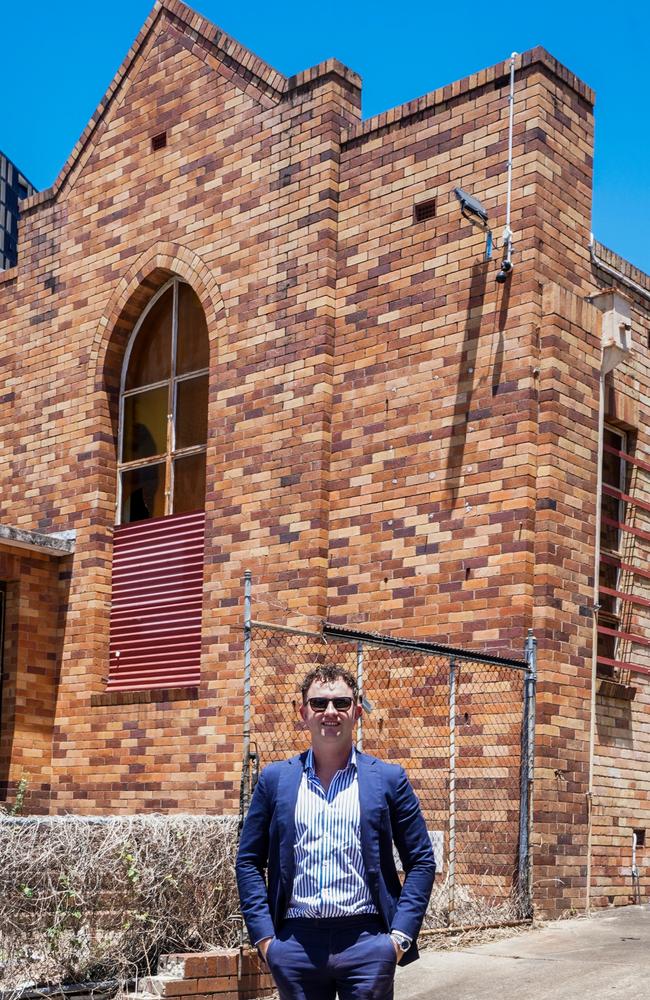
(370, 800)
(287, 794)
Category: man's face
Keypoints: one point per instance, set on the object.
(333, 727)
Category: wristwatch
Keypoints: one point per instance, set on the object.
(401, 940)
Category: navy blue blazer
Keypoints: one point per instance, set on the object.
(390, 813)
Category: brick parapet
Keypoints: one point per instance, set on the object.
(621, 265)
(466, 89)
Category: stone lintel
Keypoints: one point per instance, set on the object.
(58, 544)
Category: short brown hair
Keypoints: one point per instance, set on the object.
(327, 675)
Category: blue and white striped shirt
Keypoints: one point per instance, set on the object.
(330, 876)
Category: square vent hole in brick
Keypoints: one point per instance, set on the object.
(425, 210)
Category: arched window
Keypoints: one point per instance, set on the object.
(164, 409)
(157, 573)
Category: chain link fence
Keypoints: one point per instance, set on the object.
(460, 723)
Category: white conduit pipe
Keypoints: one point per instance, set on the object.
(507, 233)
(506, 263)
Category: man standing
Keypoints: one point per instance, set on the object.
(334, 916)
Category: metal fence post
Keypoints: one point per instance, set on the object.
(532, 716)
(244, 791)
(452, 788)
(360, 686)
(526, 776)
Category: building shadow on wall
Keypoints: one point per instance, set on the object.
(467, 375)
(501, 320)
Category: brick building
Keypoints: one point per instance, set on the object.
(261, 330)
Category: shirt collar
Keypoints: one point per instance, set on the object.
(309, 761)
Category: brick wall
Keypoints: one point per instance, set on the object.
(622, 723)
(36, 591)
(395, 440)
(249, 222)
(222, 974)
(431, 487)
(622, 802)
(569, 360)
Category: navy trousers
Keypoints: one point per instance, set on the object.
(318, 959)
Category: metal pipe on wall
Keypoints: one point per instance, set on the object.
(526, 775)
(245, 776)
(636, 884)
(452, 787)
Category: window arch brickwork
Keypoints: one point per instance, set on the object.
(159, 540)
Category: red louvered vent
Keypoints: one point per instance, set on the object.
(157, 597)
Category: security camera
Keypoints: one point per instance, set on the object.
(471, 208)
(502, 274)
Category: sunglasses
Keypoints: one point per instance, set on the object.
(320, 704)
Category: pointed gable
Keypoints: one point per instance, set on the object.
(199, 35)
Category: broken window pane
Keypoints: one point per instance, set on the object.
(613, 475)
(143, 493)
(144, 431)
(192, 349)
(189, 483)
(609, 579)
(150, 359)
(611, 538)
(191, 412)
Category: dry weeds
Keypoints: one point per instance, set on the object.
(87, 900)
(471, 907)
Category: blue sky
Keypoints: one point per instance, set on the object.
(59, 58)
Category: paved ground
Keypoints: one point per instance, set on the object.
(606, 957)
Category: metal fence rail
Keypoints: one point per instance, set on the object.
(460, 723)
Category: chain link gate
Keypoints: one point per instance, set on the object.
(461, 724)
